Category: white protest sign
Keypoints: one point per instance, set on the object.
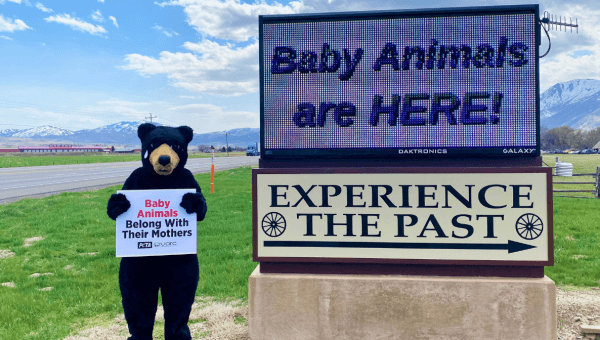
(155, 224)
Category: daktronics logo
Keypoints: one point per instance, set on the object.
(144, 245)
(422, 151)
(164, 244)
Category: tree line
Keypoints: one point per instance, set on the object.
(565, 137)
(208, 148)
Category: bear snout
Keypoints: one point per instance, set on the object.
(164, 160)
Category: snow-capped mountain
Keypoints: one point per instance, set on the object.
(45, 131)
(125, 133)
(235, 137)
(119, 133)
(8, 132)
(125, 127)
(574, 103)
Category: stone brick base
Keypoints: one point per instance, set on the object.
(362, 307)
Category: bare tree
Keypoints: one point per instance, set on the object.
(592, 138)
(565, 137)
(204, 148)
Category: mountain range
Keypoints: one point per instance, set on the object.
(125, 133)
(574, 103)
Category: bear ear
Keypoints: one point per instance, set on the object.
(144, 130)
(187, 133)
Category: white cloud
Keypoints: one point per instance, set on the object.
(212, 68)
(43, 8)
(26, 2)
(168, 33)
(5, 37)
(208, 118)
(9, 25)
(102, 1)
(238, 21)
(562, 64)
(229, 19)
(97, 16)
(114, 21)
(215, 68)
(131, 110)
(35, 116)
(225, 69)
(76, 24)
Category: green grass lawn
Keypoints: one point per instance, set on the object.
(576, 242)
(21, 160)
(85, 285)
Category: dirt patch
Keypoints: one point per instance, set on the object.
(29, 241)
(38, 274)
(6, 254)
(221, 319)
(575, 308)
(209, 319)
(8, 284)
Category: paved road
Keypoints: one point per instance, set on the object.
(41, 181)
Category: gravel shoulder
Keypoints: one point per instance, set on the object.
(576, 307)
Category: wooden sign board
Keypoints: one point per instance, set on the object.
(454, 216)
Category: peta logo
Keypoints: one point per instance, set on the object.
(144, 245)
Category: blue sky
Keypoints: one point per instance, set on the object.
(88, 63)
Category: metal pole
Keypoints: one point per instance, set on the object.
(226, 142)
(212, 172)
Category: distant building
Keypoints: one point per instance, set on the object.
(52, 148)
(127, 150)
(9, 150)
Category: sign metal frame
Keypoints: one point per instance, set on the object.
(392, 152)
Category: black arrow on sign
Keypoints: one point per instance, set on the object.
(511, 246)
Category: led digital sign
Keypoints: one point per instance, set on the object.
(450, 82)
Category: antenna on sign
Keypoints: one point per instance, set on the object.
(151, 117)
(548, 22)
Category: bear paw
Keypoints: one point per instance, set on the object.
(194, 203)
(117, 204)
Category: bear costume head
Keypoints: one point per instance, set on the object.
(164, 149)
(164, 154)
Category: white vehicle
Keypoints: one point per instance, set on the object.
(253, 149)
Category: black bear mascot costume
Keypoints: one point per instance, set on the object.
(164, 154)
